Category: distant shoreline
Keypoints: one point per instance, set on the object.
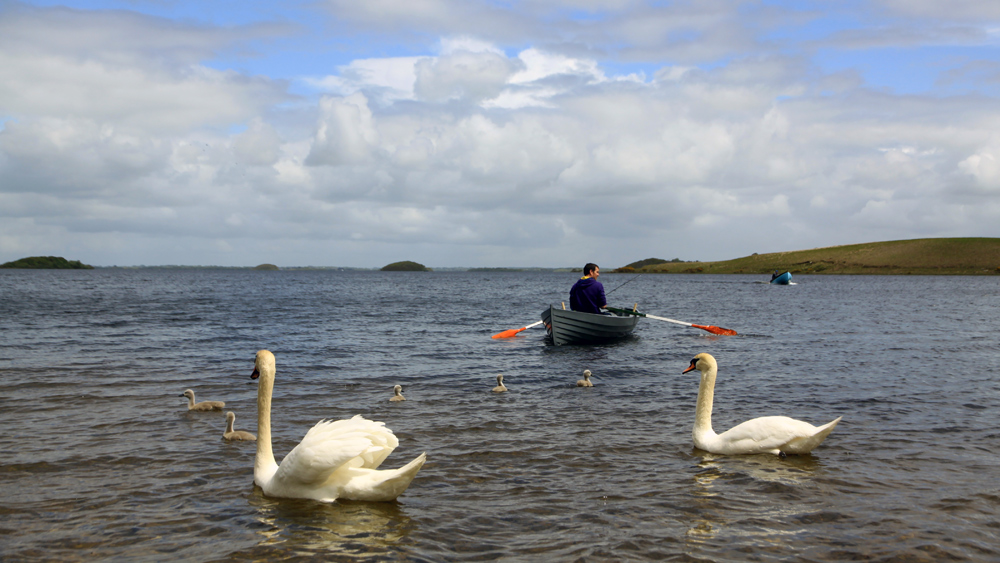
(934, 256)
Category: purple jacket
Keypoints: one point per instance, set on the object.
(587, 295)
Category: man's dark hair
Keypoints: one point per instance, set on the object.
(589, 268)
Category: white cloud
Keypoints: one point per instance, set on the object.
(462, 75)
(346, 133)
(259, 145)
(984, 167)
(121, 142)
(391, 78)
(539, 65)
(125, 69)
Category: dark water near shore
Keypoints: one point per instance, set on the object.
(101, 461)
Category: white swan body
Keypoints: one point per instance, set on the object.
(585, 382)
(203, 406)
(397, 394)
(335, 459)
(500, 388)
(239, 435)
(777, 435)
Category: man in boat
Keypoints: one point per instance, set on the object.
(587, 294)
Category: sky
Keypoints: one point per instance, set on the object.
(492, 133)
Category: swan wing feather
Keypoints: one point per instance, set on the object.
(766, 434)
(331, 445)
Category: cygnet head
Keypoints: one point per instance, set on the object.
(703, 362)
(499, 379)
(397, 394)
(188, 393)
(585, 382)
(230, 418)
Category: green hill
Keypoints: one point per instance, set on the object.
(405, 266)
(953, 256)
(47, 263)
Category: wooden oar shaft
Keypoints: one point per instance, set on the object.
(709, 328)
(668, 320)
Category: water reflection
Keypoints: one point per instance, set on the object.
(706, 521)
(757, 489)
(769, 468)
(358, 529)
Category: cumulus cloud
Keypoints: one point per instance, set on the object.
(124, 68)
(983, 167)
(464, 75)
(118, 140)
(346, 133)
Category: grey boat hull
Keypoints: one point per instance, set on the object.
(575, 327)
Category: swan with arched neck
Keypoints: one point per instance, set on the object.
(335, 459)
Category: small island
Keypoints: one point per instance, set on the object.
(405, 266)
(267, 267)
(47, 263)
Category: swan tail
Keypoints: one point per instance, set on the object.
(382, 485)
(806, 444)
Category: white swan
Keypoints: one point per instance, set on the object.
(202, 406)
(335, 459)
(777, 435)
(397, 394)
(500, 388)
(231, 434)
(585, 382)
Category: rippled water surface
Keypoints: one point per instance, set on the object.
(101, 460)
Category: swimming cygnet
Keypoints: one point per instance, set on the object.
(585, 382)
(398, 394)
(499, 388)
(231, 434)
(202, 406)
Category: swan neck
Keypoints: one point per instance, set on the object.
(706, 393)
(264, 462)
(229, 426)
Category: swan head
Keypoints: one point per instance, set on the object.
(499, 378)
(263, 360)
(398, 389)
(586, 374)
(230, 416)
(702, 362)
(188, 393)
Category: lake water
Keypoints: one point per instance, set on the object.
(101, 460)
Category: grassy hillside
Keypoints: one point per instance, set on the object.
(965, 256)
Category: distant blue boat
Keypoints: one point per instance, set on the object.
(781, 279)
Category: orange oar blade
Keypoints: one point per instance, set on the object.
(513, 331)
(717, 330)
(508, 333)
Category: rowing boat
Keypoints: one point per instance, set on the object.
(576, 327)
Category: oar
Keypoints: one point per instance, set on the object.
(513, 331)
(709, 328)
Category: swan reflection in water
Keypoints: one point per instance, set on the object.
(770, 484)
(360, 529)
